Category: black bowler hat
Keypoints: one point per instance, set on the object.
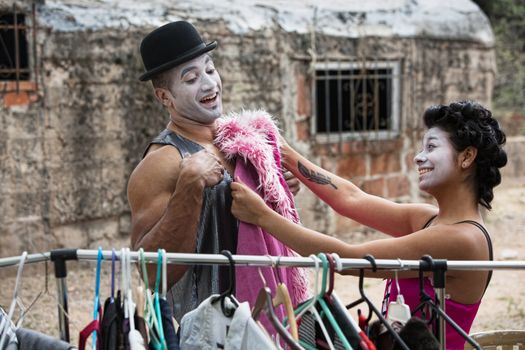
(170, 45)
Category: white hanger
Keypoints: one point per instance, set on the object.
(164, 274)
(136, 342)
(398, 310)
(7, 320)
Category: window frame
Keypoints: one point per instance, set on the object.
(338, 136)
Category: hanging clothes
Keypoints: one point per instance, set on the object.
(32, 340)
(172, 340)
(110, 325)
(207, 328)
(216, 231)
(415, 333)
(251, 139)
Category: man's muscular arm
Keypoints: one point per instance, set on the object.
(165, 196)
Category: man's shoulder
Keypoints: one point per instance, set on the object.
(162, 152)
(159, 162)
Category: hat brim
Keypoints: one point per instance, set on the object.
(181, 59)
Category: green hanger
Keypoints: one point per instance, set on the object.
(156, 299)
(325, 307)
(150, 316)
(310, 305)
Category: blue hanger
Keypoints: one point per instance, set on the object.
(96, 304)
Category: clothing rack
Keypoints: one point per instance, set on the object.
(437, 266)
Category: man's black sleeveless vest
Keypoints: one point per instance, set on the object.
(216, 231)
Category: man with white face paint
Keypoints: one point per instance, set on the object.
(179, 193)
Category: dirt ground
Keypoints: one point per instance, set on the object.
(503, 306)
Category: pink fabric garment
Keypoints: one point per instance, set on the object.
(462, 314)
(251, 139)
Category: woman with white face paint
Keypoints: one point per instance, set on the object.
(458, 165)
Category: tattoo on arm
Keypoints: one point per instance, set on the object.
(311, 175)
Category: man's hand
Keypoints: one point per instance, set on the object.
(293, 183)
(203, 166)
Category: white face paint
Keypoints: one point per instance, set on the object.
(436, 163)
(197, 90)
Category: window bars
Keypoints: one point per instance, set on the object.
(15, 52)
(356, 100)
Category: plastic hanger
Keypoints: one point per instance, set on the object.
(326, 309)
(331, 266)
(136, 342)
(282, 297)
(156, 299)
(96, 303)
(310, 306)
(371, 306)
(7, 320)
(231, 288)
(356, 333)
(123, 281)
(398, 310)
(264, 302)
(150, 316)
(113, 272)
(164, 274)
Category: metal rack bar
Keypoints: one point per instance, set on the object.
(252, 260)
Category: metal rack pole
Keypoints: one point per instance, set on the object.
(59, 257)
(251, 260)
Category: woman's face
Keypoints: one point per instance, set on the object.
(437, 162)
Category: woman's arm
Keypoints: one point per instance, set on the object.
(349, 200)
(442, 241)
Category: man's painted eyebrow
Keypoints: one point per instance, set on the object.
(186, 70)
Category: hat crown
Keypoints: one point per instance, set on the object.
(170, 45)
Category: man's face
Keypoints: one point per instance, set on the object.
(197, 90)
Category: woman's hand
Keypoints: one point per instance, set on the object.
(247, 206)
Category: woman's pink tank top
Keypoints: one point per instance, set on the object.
(462, 314)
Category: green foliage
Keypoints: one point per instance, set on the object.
(508, 23)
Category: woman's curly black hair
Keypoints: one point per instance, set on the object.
(470, 124)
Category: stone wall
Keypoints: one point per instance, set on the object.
(67, 152)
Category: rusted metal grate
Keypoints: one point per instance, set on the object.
(15, 59)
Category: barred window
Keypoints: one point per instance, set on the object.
(357, 100)
(14, 60)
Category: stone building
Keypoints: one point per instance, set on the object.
(346, 79)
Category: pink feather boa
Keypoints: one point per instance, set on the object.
(253, 137)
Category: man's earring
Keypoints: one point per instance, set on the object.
(464, 165)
